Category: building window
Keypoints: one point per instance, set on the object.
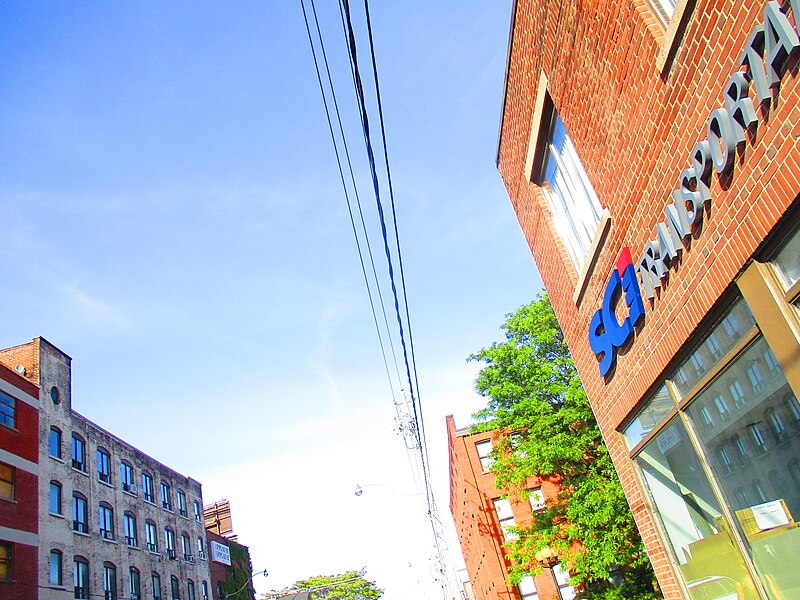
(176, 588)
(190, 590)
(757, 437)
(106, 521)
(665, 8)
(740, 447)
(56, 568)
(109, 581)
(103, 465)
(80, 577)
(79, 513)
(204, 590)
(126, 477)
(569, 194)
(182, 504)
(722, 406)
(186, 548)
(198, 515)
(794, 408)
(166, 496)
(778, 428)
(134, 583)
(698, 364)
(201, 553)
(713, 346)
(55, 442)
(770, 361)
(156, 581)
(169, 542)
(6, 482)
(6, 561)
(527, 589)
(129, 526)
(725, 459)
(505, 517)
(787, 262)
(151, 536)
(755, 377)
(8, 410)
(78, 453)
(147, 487)
(708, 419)
(484, 449)
(562, 577)
(537, 500)
(736, 392)
(55, 498)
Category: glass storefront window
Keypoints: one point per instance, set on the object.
(653, 413)
(731, 330)
(727, 489)
(787, 262)
(707, 557)
(753, 448)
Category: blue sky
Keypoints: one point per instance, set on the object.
(172, 218)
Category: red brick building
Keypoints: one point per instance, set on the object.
(231, 568)
(19, 483)
(482, 516)
(650, 150)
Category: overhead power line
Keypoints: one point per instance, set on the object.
(412, 424)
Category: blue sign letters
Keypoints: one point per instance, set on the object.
(606, 334)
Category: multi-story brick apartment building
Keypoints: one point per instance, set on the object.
(19, 485)
(112, 521)
(482, 518)
(650, 150)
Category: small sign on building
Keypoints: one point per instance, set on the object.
(220, 553)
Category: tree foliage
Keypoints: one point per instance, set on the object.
(351, 585)
(535, 395)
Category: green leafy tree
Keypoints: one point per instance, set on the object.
(347, 586)
(536, 398)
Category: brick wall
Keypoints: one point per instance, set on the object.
(472, 492)
(634, 128)
(20, 447)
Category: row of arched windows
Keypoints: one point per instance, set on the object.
(137, 588)
(79, 461)
(107, 527)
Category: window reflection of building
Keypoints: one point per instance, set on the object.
(751, 445)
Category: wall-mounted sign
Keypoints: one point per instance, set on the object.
(220, 553)
(762, 64)
(606, 334)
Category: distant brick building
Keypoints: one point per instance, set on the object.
(19, 485)
(481, 517)
(651, 151)
(112, 522)
(231, 568)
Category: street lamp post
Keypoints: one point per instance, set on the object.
(548, 558)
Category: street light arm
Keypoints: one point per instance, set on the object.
(250, 579)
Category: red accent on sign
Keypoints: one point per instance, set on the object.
(624, 260)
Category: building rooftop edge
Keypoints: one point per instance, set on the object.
(505, 81)
(79, 416)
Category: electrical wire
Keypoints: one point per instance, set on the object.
(344, 185)
(416, 426)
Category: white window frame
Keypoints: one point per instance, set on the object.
(537, 500)
(505, 517)
(583, 237)
(483, 448)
